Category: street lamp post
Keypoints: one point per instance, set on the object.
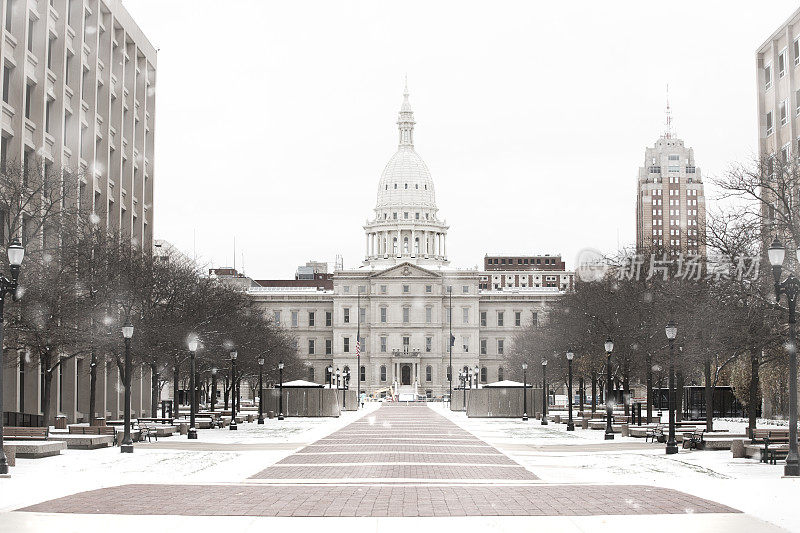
(345, 382)
(544, 391)
(463, 376)
(791, 288)
(280, 390)
(524, 392)
(452, 341)
(233, 426)
(127, 441)
(609, 346)
(192, 433)
(672, 331)
(213, 388)
(330, 376)
(260, 390)
(8, 286)
(570, 423)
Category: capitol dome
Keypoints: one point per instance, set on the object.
(405, 226)
(406, 182)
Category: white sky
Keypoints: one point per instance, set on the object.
(275, 119)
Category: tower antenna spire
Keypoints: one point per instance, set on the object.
(668, 133)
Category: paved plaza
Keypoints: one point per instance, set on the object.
(399, 461)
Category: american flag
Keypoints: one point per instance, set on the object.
(358, 349)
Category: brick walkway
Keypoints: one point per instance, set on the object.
(398, 461)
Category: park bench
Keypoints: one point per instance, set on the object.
(656, 433)
(94, 430)
(694, 439)
(771, 436)
(20, 433)
(147, 432)
(156, 420)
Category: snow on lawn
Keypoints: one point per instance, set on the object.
(583, 456)
(37, 480)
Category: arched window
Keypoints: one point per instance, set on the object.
(416, 245)
(395, 185)
(363, 373)
(406, 185)
(328, 375)
(483, 374)
(383, 372)
(429, 373)
(405, 245)
(500, 374)
(394, 245)
(311, 374)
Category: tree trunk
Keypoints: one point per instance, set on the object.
(752, 401)
(626, 390)
(594, 391)
(225, 390)
(92, 387)
(154, 388)
(649, 363)
(46, 396)
(679, 396)
(709, 392)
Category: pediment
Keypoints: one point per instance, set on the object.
(406, 270)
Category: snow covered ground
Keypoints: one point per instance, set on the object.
(252, 448)
(583, 456)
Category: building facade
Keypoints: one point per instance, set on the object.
(402, 306)
(78, 91)
(78, 94)
(670, 199)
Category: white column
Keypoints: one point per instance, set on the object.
(399, 243)
(444, 244)
(411, 244)
(366, 245)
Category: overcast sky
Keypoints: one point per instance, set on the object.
(275, 119)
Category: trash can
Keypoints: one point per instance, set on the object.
(61, 422)
(270, 414)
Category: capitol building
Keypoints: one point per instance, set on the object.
(404, 300)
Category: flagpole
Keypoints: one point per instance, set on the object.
(358, 348)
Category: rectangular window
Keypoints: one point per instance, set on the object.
(500, 346)
(6, 82)
(50, 53)
(383, 344)
(500, 318)
(796, 50)
(428, 344)
(465, 344)
(346, 345)
(9, 12)
(406, 314)
(465, 315)
(277, 316)
(465, 289)
(383, 314)
(346, 315)
(383, 372)
(31, 26)
(294, 318)
(517, 318)
(28, 98)
(483, 346)
(428, 289)
(782, 64)
(768, 120)
(406, 289)
(383, 289)
(406, 344)
(428, 315)
(783, 111)
(483, 319)
(328, 318)
(767, 77)
(311, 319)
(363, 371)
(328, 347)
(310, 346)
(428, 373)
(48, 110)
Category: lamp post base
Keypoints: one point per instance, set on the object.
(280, 416)
(609, 436)
(570, 426)
(672, 448)
(525, 417)
(192, 433)
(233, 425)
(3, 468)
(126, 448)
(260, 419)
(792, 469)
(544, 420)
